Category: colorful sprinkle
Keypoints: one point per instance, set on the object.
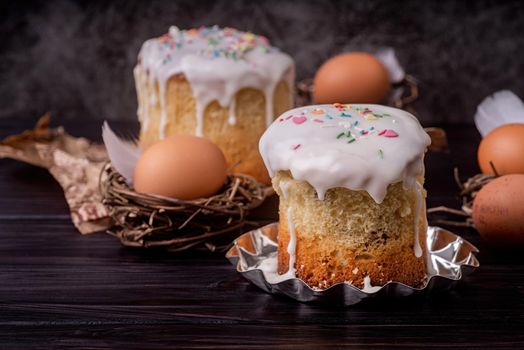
(228, 42)
(318, 120)
(328, 116)
(318, 111)
(388, 133)
(381, 154)
(345, 115)
(299, 120)
(370, 116)
(352, 140)
(340, 135)
(295, 147)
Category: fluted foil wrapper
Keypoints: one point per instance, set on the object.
(449, 259)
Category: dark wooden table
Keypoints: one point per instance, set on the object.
(61, 289)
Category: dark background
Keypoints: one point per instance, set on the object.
(75, 58)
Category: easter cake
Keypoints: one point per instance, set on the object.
(352, 202)
(222, 84)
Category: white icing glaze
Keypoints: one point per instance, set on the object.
(360, 147)
(143, 101)
(292, 242)
(284, 187)
(163, 109)
(368, 288)
(232, 119)
(417, 249)
(217, 63)
(269, 266)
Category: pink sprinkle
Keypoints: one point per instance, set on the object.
(281, 120)
(389, 133)
(364, 133)
(289, 117)
(299, 120)
(382, 132)
(295, 147)
(318, 120)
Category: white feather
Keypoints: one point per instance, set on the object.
(389, 60)
(122, 154)
(503, 107)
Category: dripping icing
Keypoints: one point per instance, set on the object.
(368, 288)
(163, 110)
(269, 93)
(291, 247)
(269, 266)
(232, 119)
(139, 93)
(417, 249)
(143, 98)
(200, 107)
(217, 63)
(342, 150)
(284, 187)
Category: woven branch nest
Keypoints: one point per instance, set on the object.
(467, 194)
(408, 89)
(144, 220)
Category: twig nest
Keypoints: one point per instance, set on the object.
(149, 220)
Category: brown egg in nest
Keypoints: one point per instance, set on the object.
(498, 211)
(504, 148)
(355, 77)
(182, 167)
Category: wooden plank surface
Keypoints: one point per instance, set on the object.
(61, 289)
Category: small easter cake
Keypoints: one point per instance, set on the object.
(352, 203)
(222, 84)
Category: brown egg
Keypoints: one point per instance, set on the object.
(498, 211)
(504, 147)
(355, 77)
(182, 167)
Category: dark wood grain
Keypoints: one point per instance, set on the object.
(61, 289)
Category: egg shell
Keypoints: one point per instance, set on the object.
(498, 211)
(504, 147)
(355, 77)
(182, 167)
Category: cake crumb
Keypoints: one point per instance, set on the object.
(355, 270)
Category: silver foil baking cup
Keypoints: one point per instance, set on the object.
(254, 254)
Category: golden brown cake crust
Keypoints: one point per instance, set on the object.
(321, 264)
(239, 142)
(348, 236)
